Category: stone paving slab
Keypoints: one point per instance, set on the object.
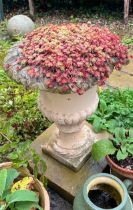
(123, 78)
(62, 179)
(128, 68)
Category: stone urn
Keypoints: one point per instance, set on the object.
(71, 138)
(66, 62)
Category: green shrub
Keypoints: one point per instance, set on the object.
(20, 118)
(121, 145)
(20, 123)
(115, 110)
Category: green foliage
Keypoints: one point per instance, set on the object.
(18, 108)
(121, 145)
(115, 110)
(11, 174)
(128, 40)
(4, 46)
(22, 195)
(114, 114)
(73, 19)
(18, 200)
(102, 148)
(27, 205)
(124, 142)
(17, 153)
(20, 121)
(7, 178)
(3, 177)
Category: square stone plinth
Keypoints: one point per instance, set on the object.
(64, 180)
(73, 162)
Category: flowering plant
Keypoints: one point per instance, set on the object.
(70, 57)
(20, 194)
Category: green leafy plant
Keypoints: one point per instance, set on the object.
(19, 112)
(115, 110)
(4, 46)
(20, 122)
(121, 145)
(18, 155)
(19, 199)
(128, 40)
(73, 19)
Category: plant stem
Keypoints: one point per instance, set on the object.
(6, 137)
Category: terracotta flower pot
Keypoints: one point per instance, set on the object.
(43, 195)
(119, 170)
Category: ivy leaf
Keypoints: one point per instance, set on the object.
(22, 195)
(3, 177)
(27, 205)
(121, 155)
(102, 148)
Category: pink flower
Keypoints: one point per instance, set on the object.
(70, 53)
(7, 66)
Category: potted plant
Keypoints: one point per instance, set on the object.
(20, 190)
(66, 62)
(103, 191)
(118, 151)
(22, 160)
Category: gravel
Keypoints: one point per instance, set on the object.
(57, 202)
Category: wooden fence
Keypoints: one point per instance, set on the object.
(1, 11)
(32, 9)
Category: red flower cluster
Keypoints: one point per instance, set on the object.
(71, 57)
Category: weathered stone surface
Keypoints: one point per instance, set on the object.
(129, 68)
(71, 139)
(121, 80)
(20, 25)
(73, 162)
(61, 178)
